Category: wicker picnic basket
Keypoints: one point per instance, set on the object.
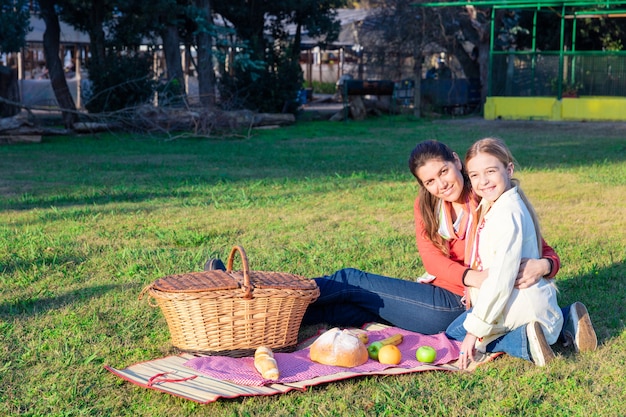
(233, 312)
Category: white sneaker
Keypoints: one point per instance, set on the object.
(540, 351)
(578, 329)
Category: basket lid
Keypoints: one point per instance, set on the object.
(197, 282)
(218, 280)
(280, 280)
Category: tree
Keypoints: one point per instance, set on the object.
(206, 74)
(318, 18)
(171, 21)
(89, 16)
(119, 72)
(129, 23)
(51, 41)
(404, 28)
(137, 22)
(397, 34)
(14, 20)
(474, 24)
(270, 76)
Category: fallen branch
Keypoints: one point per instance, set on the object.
(150, 119)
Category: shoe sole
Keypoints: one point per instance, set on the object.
(585, 339)
(214, 265)
(546, 351)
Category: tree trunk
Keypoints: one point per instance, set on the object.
(173, 62)
(468, 60)
(96, 35)
(297, 42)
(417, 86)
(206, 76)
(9, 90)
(51, 41)
(483, 32)
(483, 62)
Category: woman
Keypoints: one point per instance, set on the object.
(506, 230)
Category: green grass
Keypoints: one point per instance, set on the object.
(87, 222)
(323, 88)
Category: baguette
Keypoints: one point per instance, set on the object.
(265, 363)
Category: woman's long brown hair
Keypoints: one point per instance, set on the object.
(421, 154)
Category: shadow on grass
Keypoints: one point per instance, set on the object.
(603, 292)
(37, 304)
(115, 171)
(44, 260)
(29, 202)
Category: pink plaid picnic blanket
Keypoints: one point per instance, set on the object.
(297, 366)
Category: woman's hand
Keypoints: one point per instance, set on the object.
(466, 355)
(531, 271)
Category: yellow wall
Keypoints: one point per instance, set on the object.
(549, 108)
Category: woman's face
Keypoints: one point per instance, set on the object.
(443, 179)
(489, 176)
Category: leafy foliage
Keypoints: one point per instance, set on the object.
(263, 87)
(14, 19)
(592, 34)
(266, 75)
(120, 82)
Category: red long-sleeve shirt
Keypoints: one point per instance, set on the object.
(449, 270)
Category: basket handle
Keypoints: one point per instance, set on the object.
(151, 301)
(247, 287)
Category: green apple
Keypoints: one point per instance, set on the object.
(373, 349)
(426, 354)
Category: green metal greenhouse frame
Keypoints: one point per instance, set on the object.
(564, 5)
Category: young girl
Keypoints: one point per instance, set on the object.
(506, 231)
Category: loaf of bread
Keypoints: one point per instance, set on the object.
(265, 363)
(338, 348)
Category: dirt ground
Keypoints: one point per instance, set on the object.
(325, 106)
(608, 128)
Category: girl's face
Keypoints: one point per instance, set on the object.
(443, 179)
(489, 176)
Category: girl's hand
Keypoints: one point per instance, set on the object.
(531, 271)
(475, 278)
(467, 350)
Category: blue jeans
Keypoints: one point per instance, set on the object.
(351, 297)
(514, 343)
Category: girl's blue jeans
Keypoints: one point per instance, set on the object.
(351, 297)
(514, 343)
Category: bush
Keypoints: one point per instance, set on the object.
(121, 82)
(268, 88)
(171, 93)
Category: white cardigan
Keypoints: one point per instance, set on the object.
(508, 235)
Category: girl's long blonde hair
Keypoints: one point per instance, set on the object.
(496, 147)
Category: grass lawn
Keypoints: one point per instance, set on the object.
(87, 222)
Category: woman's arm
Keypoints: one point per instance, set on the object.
(532, 270)
(448, 269)
(548, 254)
